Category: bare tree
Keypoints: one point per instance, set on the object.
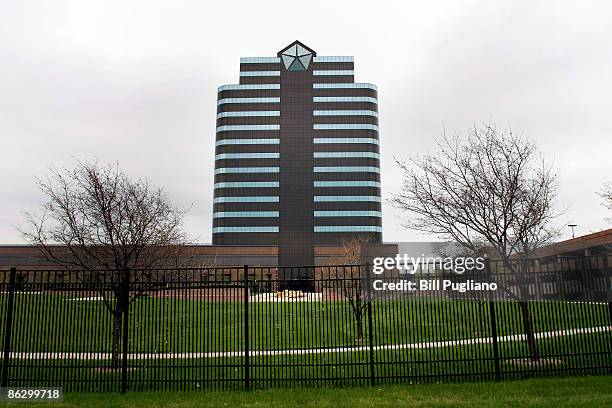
(99, 220)
(606, 195)
(491, 187)
(347, 274)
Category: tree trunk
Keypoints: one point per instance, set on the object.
(358, 312)
(359, 318)
(117, 324)
(528, 329)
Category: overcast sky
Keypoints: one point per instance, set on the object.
(135, 82)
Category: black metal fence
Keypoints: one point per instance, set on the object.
(252, 327)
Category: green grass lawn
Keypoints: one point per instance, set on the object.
(54, 323)
(440, 364)
(558, 392)
(59, 323)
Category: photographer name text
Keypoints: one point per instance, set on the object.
(433, 285)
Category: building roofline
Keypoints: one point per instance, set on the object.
(594, 239)
(313, 52)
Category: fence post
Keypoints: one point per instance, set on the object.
(125, 300)
(493, 326)
(370, 327)
(8, 327)
(494, 335)
(608, 275)
(247, 367)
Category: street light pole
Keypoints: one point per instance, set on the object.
(572, 227)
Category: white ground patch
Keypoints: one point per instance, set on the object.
(94, 298)
(274, 297)
(417, 346)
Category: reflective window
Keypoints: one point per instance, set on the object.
(345, 86)
(346, 183)
(344, 140)
(344, 126)
(248, 100)
(334, 58)
(247, 184)
(347, 169)
(322, 199)
(243, 87)
(217, 230)
(333, 72)
(345, 113)
(254, 199)
(246, 114)
(323, 155)
(245, 214)
(343, 99)
(224, 156)
(246, 142)
(259, 60)
(348, 214)
(231, 170)
(233, 128)
(347, 228)
(259, 73)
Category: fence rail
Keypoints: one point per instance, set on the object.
(256, 327)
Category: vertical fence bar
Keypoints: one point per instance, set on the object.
(607, 272)
(125, 303)
(494, 335)
(370, 326)
(247, 368)
(8, 327)
(493, 318)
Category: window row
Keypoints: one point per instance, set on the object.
(247, 142)
(259, 60)
(323, 199)
(248, 100)
(348, 214)
(346, 183)
(218, 230)
(245, 214)
(345, 113)
(347, 169)
(325, 155)
(245, 87)
(344, 99)
(233, 128)
(344, 140)
(275, 199)
(318, 140)
(224, 156)
(333, 72)
(345, 86)
(344, 126)
(334, 58)
(253, 199)
(273, 184)
(232, 170)
(317, 228)
(347, 228)
(246, 114)
(259, 73)
(247, 184)
(239, 114)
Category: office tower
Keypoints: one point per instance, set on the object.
(296, 155)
